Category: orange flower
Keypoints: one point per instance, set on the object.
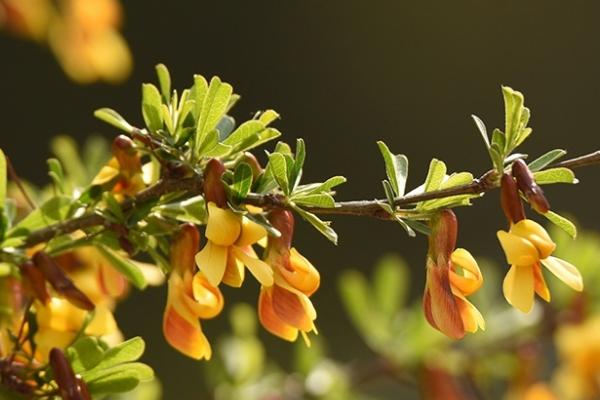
(452, 275)
(190, 298)
(285, 308)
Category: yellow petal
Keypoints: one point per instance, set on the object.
(109, 172)
(301, 274)
(269, 319)
(212, 261)
(291, 309)
(518, 287)
(536, 234)
(207, 297)
(539, 283)
(251, 233)
(260, 269)
(471, 279)
(235, 271)
(185, 336)
(103, 323)
(223, 226)
(471, 317)
(565, 271)
(518, 251)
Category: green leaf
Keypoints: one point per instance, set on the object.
(85, 354)
(278, 166)
(435, 175)
(244, 132)
(388, 208)
(125, 266)
(513, 109)
(67, 152)
(164, 80)
(554, 175)
(53, 210)
(189, 210)
(198, 94)
(213, 108)
(242, 181)
(315, 200)
(562, 222)
(120, 378)
(268, 116)
(546, 159)
(130, 350)
(57, 175)
(113, 118)
(151, 107)
(321, 226)
(396, 168)
(2, 179)
(482, 129)
(298, 162)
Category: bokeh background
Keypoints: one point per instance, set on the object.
(343, 74)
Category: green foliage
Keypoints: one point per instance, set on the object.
(554, 175)
(546, 159)
(562, 222)
(112, 370)
(125, 266)
(396, 168)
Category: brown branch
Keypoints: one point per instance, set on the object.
(366, 208)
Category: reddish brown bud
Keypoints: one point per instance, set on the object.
(60, 282)
(442, 240)
(124, 151)
(184, 248)
(527, 185)
(68, 384)
(510, 200)
(213, 186)
(283, 221)
(35, 282)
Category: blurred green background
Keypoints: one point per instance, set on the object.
(343, 74)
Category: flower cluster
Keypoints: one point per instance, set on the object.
(287, 279)
(453, 274)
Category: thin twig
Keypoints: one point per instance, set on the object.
(365, 208)
(12, 172)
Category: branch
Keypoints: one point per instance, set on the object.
(363, 208)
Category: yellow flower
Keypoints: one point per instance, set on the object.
(229, 247)
(190, 298)
(452, 275)
(526, 245)
(578, 348)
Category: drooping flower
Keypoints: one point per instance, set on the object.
(230, 237)
(452, 275)
(527, 246)
(190, 298)
(285, 308)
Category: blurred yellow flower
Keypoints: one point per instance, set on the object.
(526, 245)
(578, 348)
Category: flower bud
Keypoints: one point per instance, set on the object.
(527, 185)
(213, 188)
(510, 200)
(251, 160)
(60, 282)
(283, 221)
(68, 384)
(35, 281)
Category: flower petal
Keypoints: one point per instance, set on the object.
(518, 287)
(223, 226)
(565, 271)
(303, 275)
(518, 251)
(235, 271)
(539, 283)
(471, 279)
(536, 234)
(185, 336)
(251, 233)
(212, 260)
(208, 298)
(291, 309)
(260, 269)
(269, 319)
(444, 310)
(471, 317)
